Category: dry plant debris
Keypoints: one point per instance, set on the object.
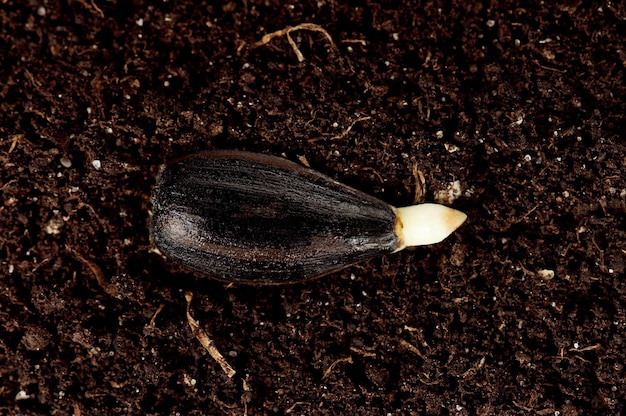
(286, 32)
(207, 342)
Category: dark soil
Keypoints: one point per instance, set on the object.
(522, 105)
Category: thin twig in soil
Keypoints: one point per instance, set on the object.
(346, 131)
(207, 342)
(330, 368)
(286, 32)
(97, 272)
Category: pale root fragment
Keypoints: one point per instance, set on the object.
(423, 224)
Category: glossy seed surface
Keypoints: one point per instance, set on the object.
(248, 217)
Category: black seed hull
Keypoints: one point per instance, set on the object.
(246, 217)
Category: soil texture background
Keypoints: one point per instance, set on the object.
(511, 112)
